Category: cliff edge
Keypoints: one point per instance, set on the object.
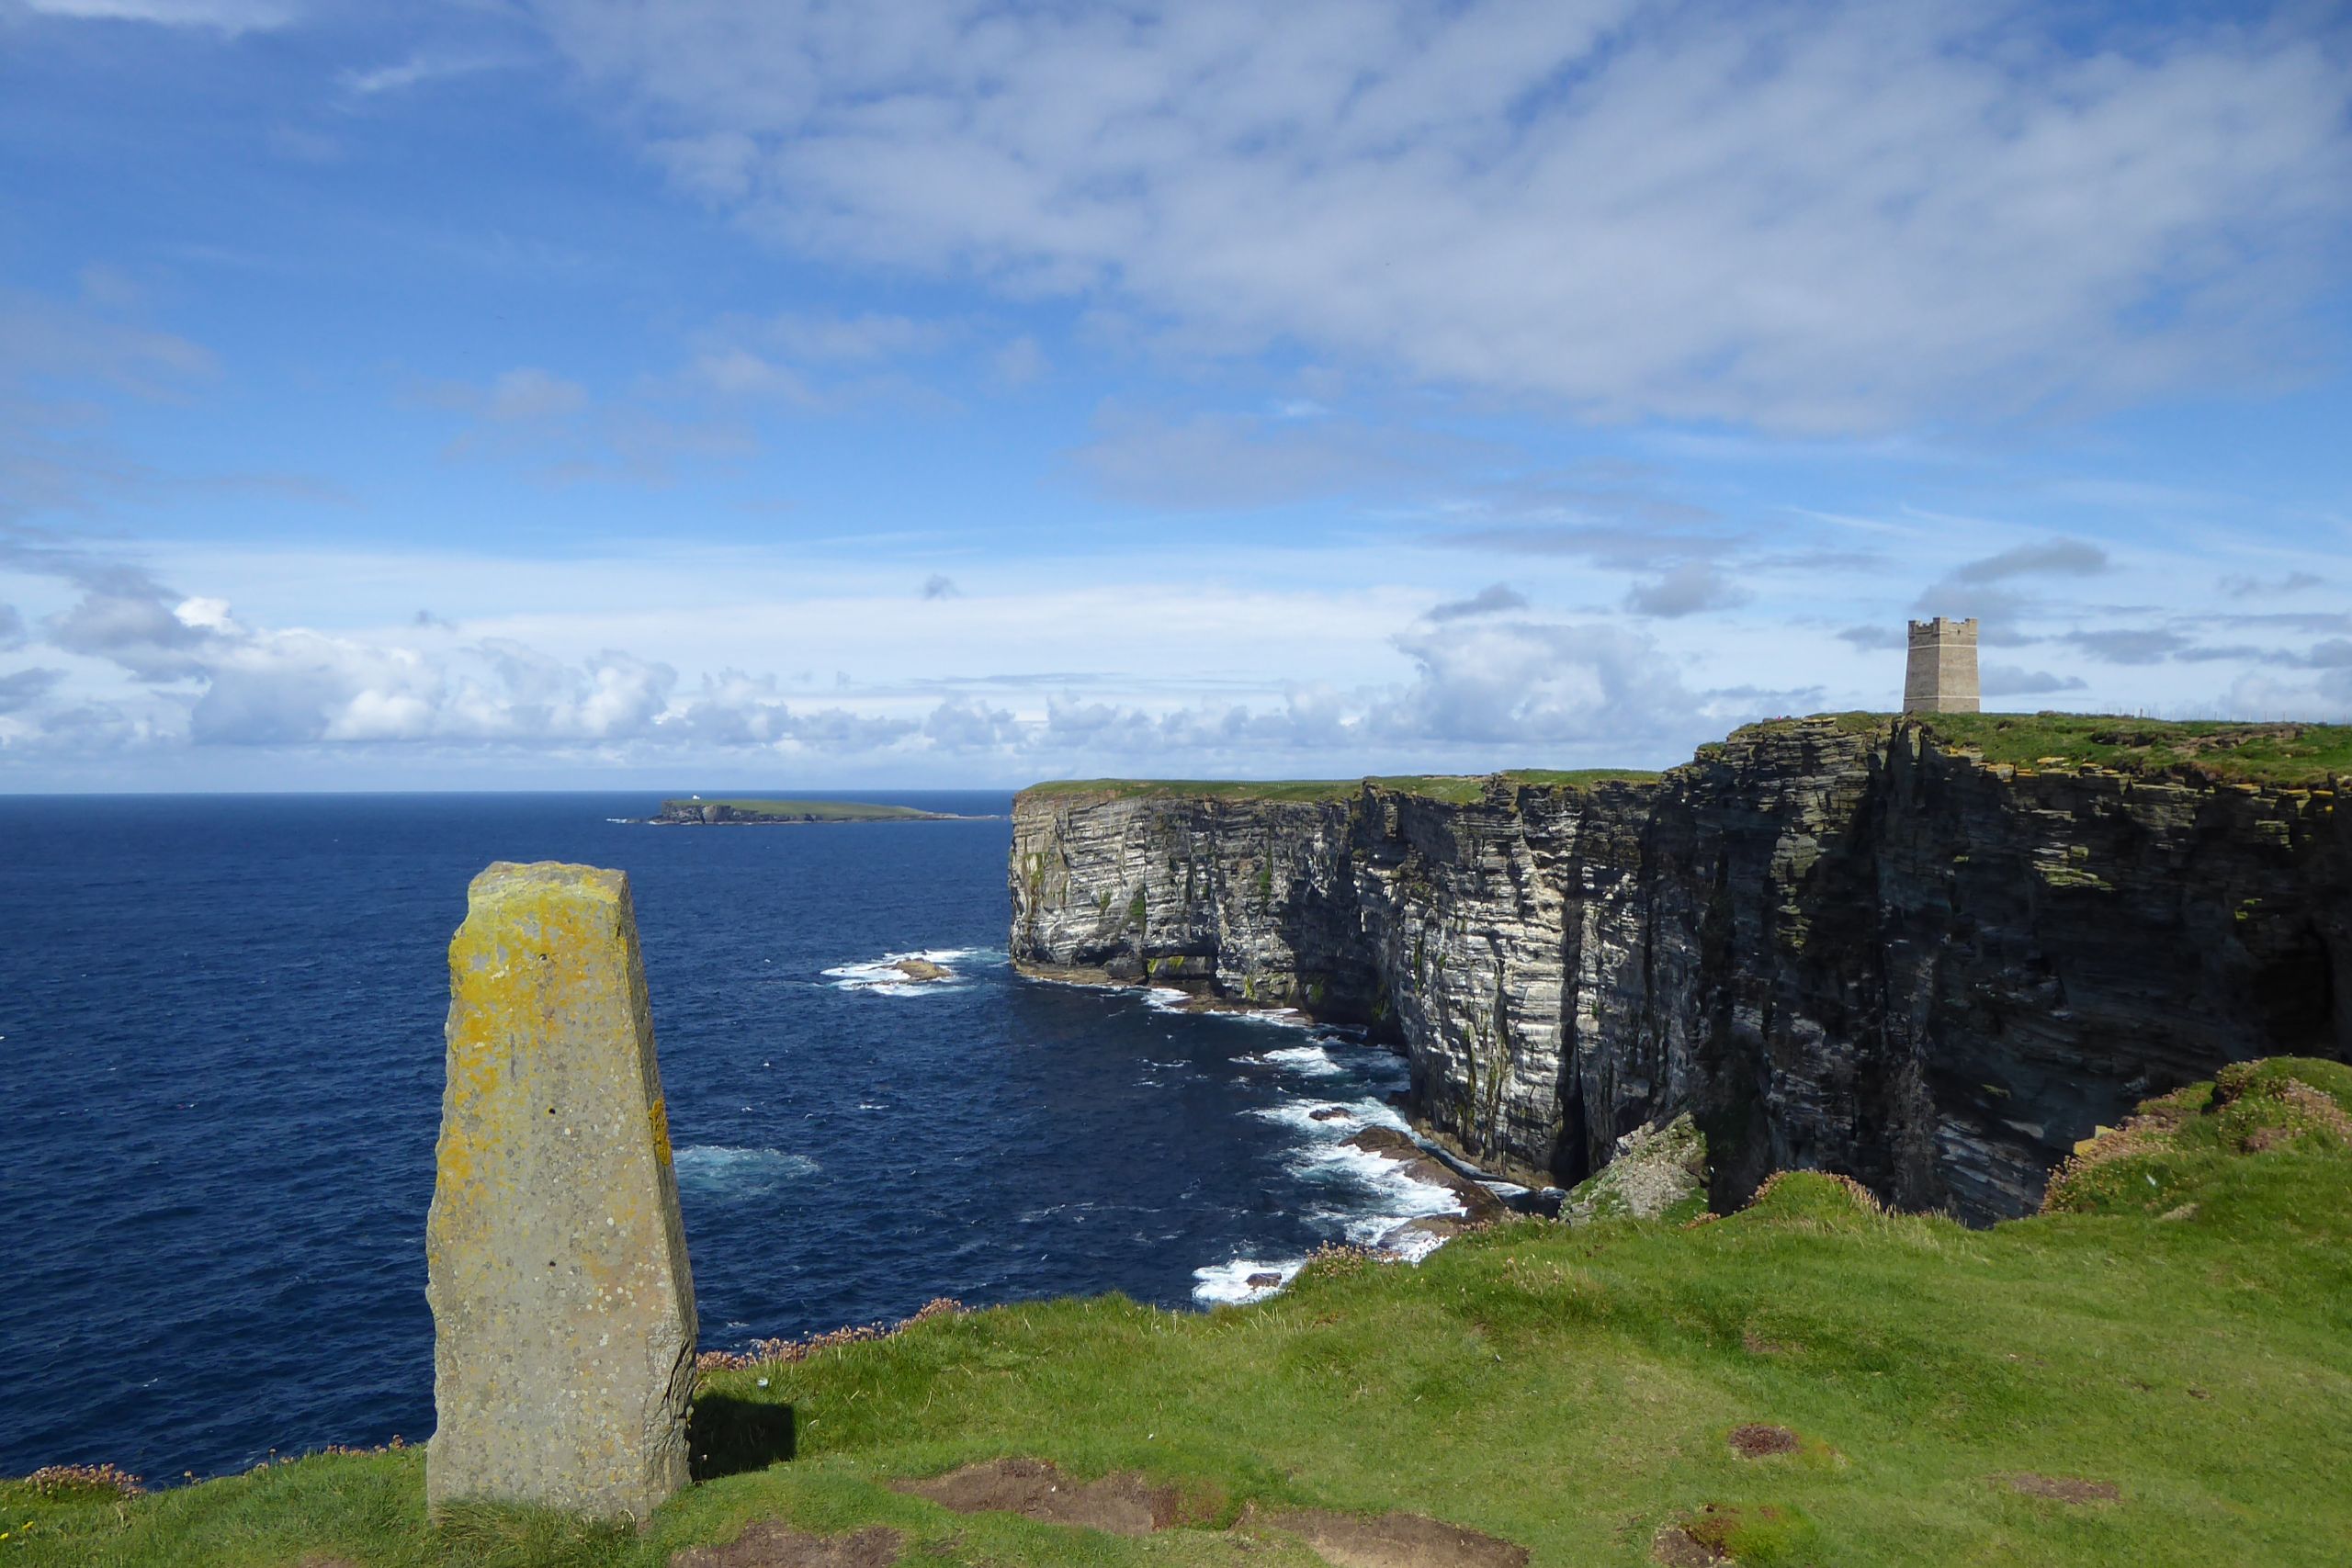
(1853, 942)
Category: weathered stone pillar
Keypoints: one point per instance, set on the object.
(563, 1311)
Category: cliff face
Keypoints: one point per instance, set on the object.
(1835, 944)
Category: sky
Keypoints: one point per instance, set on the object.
(486, 394)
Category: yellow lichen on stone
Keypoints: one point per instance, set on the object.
(556, 1261)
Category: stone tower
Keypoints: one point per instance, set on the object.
(1942, 673)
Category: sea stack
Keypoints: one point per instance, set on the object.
(556, 1261)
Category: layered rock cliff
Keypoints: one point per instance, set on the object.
(1837, 942)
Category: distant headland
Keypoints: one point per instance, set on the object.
(695, 811)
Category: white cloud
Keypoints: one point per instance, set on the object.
(1685, 591)
(1807, 215)
(230, 16)
(415, 70)
(530, 393)
(2009, 681)
(1020, 362)
(1216, 461)
(1495, 599)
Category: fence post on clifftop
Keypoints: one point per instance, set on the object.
(563, 1310)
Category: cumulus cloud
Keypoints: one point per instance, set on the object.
(1809, 215)
(1494, 681)
(135, 629)
(19, 689)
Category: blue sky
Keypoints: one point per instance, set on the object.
(476, 394)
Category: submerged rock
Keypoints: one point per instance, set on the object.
(1478, 1202)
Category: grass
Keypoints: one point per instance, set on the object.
(2219, 751)
(811, 810)
(1570, 1389)
(2289, 754)
(1456, 789)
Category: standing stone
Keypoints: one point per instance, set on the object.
(563, 1311)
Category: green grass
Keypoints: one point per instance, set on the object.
(2283, 754)
(1567, 1387)
(1456, 789)
(811, 810)
(2253, 753)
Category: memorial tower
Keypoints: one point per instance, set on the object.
(1941, 677)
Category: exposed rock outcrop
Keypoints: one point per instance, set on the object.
(1650, 1170)
(1835, 942)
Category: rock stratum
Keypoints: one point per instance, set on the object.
(1840, 943)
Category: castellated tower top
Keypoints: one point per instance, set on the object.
(1941, 677)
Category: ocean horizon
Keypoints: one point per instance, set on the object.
(221, 1045)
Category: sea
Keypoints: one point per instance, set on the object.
(220, 1074)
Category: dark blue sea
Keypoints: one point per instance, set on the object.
(221, 1064)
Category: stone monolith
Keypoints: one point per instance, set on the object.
(563, 1313)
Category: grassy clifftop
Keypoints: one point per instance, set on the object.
(2158, 1372)
(1458, 788)
(2253, 753)
(2290, 755)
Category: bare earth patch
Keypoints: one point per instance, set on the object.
(768, 1543)
(1678, 1548)
(1389, 1540)
(1756, 1442)
(2064, 1488)
(1118, 1504)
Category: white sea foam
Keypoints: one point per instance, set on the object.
(1354, 1116)
(1273, 1018)
(1312, 1060)
(1225, 1284)
(883, 977)
(728, 1172)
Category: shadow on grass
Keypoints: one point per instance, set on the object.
(727, 1436)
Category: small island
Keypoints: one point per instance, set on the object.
(697, 812)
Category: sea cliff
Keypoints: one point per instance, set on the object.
(1848, 943)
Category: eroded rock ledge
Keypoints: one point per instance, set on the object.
(1836, 942)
